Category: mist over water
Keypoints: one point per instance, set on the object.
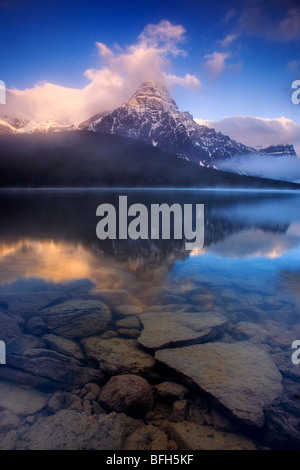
(278, 168)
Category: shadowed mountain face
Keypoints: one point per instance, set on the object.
(151, 116)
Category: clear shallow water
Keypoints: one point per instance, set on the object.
(248, 271)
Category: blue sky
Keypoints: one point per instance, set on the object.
(242, 55)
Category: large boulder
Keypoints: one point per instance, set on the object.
(240, 377)
(77, 318)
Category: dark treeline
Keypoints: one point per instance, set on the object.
(85, 159)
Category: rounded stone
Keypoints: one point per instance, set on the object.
(128, 394)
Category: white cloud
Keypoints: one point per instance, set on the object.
(189, 81)
(121, 73)
(215, 62)
(104, 51)
(164, 36)
(256, 131)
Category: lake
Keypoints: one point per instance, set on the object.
(206, 334)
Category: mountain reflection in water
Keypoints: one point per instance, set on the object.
(247, 271)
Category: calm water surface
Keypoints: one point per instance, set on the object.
(248, 270)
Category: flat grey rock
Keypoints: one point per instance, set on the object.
(170, 329)
(190, 436)
(240, 377)
(21, 401)
(64, 346)
(118, 356)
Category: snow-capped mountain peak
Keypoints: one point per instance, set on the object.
(10, 125)
(152, 116)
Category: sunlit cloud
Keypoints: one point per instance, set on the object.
(122, 71)
(163, 36)
(189, 81)
(215, 62)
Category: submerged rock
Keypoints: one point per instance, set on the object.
(125, 310)
(27, 304)
(36, 325)
(118, 355)
(171, 390)
(128, 394)
(45, 368)
(190, 436)
(64, 346)
(165, 329)
(129, 333)
(129, 322)
(71, 430)
(9, 327)
(21, 401)
(146, 438)
(240, 377)
(8, 421)
(77, 318)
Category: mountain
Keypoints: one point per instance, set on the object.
(279, 151)
(90, 160)
(151, 116)
(22, 126)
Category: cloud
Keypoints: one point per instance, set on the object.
(189, 81)
(228, 39)
(258, 132)
(229, 15)
(122, 71)
(215, 62)
(293, 65)
(164, 36)
(273, 20)
(104, 51)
